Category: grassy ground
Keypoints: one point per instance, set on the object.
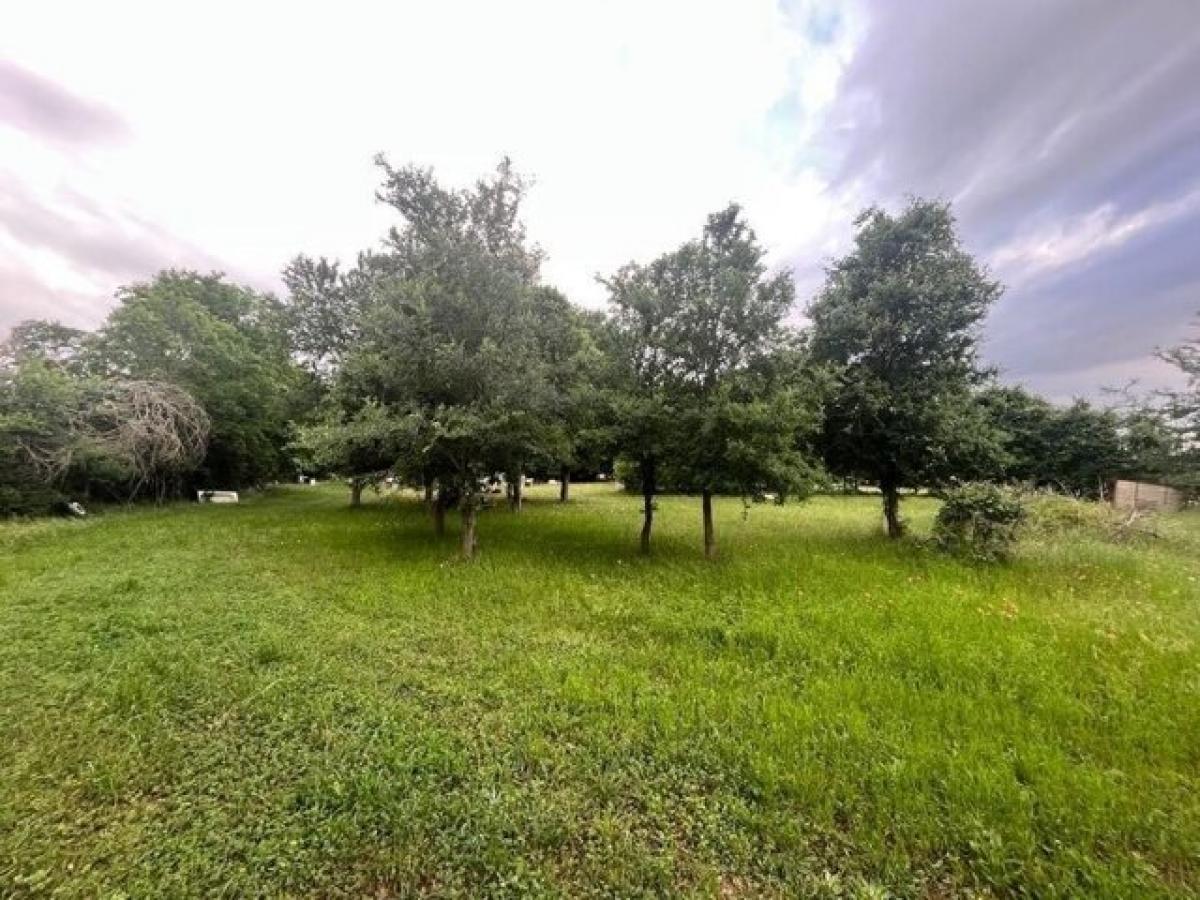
(290, 697)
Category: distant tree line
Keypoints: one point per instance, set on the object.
(442, 359)
(218, 353)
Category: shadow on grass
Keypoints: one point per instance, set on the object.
(587, 536)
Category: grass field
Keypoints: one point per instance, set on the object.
(292, 697)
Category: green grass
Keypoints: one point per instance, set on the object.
(291, 697)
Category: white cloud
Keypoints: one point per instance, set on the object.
(252, 126)
(235, 135)
(1077, 238)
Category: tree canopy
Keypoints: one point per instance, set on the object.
(899, 317)
(441, 359)
(226, 345)
(696, 327)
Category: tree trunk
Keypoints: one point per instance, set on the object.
(648, 490)
(439, 515)
(428, 493)
(710, 537)
(891, 509)
(518, 492)
(356, 489)
(468, 528)
(564, 485)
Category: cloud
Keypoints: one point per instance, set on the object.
(1074, 239)
(62, 254)
(1113, 304)
(1065, 133)
(23, 296)
(636, 120)
(1068, 138)
(39, 106)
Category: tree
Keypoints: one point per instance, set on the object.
(644, 410)
(448, 344)
(362, 447)
(695, 325)
(55, 344)
(1076, 449)
(36, 402)
(326, 309)
(156, 431)
(224, 344)
(568, 343)
(1154, 445)
(899, 317)
(1022, 421)
(1086, 450)
(1186, 358)
(1183, 411)
(61, 433)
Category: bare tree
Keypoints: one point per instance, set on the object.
(158, 430)
(152, 431)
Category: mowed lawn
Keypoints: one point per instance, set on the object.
(292, 697)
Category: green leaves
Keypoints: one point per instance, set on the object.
(711, 399)
(979, 521)
(226, 345)
(899, 317)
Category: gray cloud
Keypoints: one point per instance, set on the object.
(105, 246)
(1075, 120)
(23, 296)
(34, 104)
(92, 241)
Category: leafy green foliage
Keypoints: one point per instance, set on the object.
(51, 343)
(35, 405)
(1079, 448)
(363, 446)
(899, 318)
(460, 342)
(979, 521)
(227, 346)
(62, 436)
(1085, 449)
(696, 330)
(321, 315)
(571, 345)
(1183, 412)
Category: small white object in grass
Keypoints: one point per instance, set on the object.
(217, 496)
(76, 509)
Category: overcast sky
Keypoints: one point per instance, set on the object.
(235, 135)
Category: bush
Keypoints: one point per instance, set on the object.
(979, 521)
(27, 499)
(1051, 514)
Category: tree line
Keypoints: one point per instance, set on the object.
(442, 359)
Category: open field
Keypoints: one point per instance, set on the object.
(291, 697)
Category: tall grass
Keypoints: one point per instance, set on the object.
(292, 697)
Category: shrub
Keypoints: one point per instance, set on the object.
(1051, 514)
(979, 521)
